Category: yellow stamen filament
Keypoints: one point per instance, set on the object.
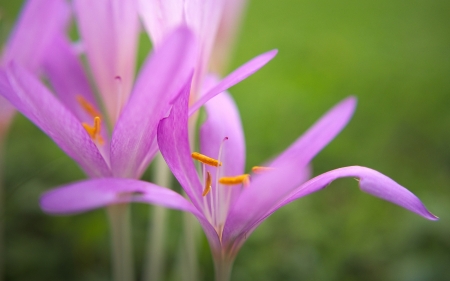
(260, 169)
(94, 131)
(244, 179)
(207, 184)
(87, 106)
(206, 160)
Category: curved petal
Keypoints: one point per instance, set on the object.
(31, 98)
(160, 81)
(268, 188)
(235, 77)
(110, 29)
(370, 181)
(173, 142)
(91, 194)
(96, 193)
(38, 22)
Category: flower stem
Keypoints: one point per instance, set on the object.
(155, 255)
(223, 267)
(2, 209)
(119, 217)
(188, 253)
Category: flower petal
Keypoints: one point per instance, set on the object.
(173, 141)
(370, 181)
(161, 80)
(31, 98)
(91, 194)
(235, 77)
(39, 21)
(110, 29)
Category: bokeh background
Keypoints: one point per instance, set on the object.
(392, 54)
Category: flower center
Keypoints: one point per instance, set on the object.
(218, 191)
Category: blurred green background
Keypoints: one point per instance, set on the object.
(392, 54)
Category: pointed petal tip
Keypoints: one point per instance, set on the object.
(350, 103)
(381, 186)
(264, 58)
(272, 53)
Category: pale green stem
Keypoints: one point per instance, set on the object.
(155, 256)
(223, 267)
(189, 261)
(2, 210)
(119, 217)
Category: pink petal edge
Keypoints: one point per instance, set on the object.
(235, 77)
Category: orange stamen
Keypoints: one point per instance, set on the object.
(244, 179)
(94, 132)
(87, 106)
(206, 160)
(260, 169)
(207, 184)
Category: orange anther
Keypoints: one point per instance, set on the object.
(244, 179)
(94, 132)
(87, 106)
(207, 184)
(206, 160)
(260, 169)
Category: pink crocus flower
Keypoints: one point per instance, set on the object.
(109, 30)
(231, 202)
(75, 122)
(228, 203)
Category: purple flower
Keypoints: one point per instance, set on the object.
(74, 120)
(233, 203)
(229, 203)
